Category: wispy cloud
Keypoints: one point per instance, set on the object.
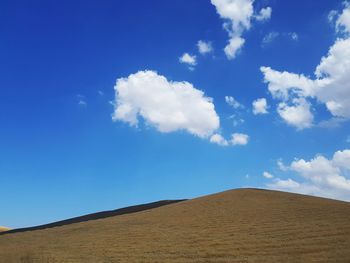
(81, 100)
(274, 35)
(230, 100)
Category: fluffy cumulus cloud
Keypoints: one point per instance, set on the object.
(260, 106)
(330, 85)
(319, 176)
(204, 47)
(188, 59)
(166, 105)
(238, 15)
(297, 113)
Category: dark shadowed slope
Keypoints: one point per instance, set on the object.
(94, 216)
(244, 225)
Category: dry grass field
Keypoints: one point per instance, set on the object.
(245, 225)
(2, 228)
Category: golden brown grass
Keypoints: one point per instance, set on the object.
(2, 229)
(235, 226)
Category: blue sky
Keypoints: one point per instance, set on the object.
(62, 154)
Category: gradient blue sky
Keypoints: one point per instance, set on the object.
(60, 158)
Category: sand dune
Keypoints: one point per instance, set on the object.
(245, 225)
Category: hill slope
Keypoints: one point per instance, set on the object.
(95, 216)
(2, 229)
(244, 225)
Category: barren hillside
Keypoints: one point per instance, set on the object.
(2, 228)
(244, 225)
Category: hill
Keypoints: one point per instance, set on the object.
(3, 229)
(245, 225)
(99, 215)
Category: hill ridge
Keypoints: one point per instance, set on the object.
(242, 225)
(3, 229)
(95, 216)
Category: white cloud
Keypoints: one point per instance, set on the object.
(342, 159)
(268, 38)
(267, 175)
(239, 12)
(166, 105)
(273, 35)
(218, 139)
(204, 47)
(234, 45)
(82, 103)
(331, 15)
(330, 85)
(321, 176)
(237, 121)
(294, 36)
(81, 100)
(334, 69)
(236, 139)
(239, 139)
(281, 165)
(285, 184)
(322, 172)
(233, 102)
(343, 22)
(264, 14)
(290, 185)
(282, 84)
(260, 106)
(188, 59)
(238, 15)
(298, 114)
